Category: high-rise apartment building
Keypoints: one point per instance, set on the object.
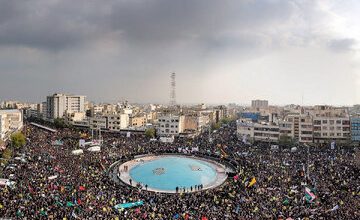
(259, 103)
(58, 105)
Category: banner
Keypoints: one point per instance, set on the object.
(333, 144)
(129, 205)
(82, 143)
(309, 195)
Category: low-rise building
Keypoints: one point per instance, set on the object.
(264, 132)
(355, 128)
(170, 125)
(331, 124)
(137, 121)
(10, 121)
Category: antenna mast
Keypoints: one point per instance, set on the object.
(173, 89)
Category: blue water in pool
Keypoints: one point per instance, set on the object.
(169, 172)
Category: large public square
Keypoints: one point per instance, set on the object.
(53, 183)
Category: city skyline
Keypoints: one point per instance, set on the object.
(300, 52)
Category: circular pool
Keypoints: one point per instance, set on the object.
(165, 173)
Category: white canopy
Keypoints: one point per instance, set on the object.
(94, 149)
(77, 152)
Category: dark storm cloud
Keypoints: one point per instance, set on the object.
(60, 24)
(108, 49)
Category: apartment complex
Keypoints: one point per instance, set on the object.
(170, 125)
(355, 128)
(259, 103)
(111, 122)
(58, 105)
(10, 121)
(264, 132)
(330, 123)
(137, 121)
(319, 124)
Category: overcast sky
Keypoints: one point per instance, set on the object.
(286, 51)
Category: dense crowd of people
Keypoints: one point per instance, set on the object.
(52, 183)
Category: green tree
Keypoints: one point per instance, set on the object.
(215, 126)
(226, 120)
(18, 139)
(150, 132)
(286, 140)
(59, 123)
(7, 153)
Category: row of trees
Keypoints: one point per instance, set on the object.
(216, 126)
(18, 140)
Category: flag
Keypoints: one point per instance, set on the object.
(309, 195)
(335, 208)
(285, 202)
(58, 203)
(204, 218)
(252, 182)
(82, 188)
(236, 178)
(69, 204)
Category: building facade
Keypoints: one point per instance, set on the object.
(10, 121)
(355, 128)
(170, 125)
(259, 104)
(137, 121)
(58, 105)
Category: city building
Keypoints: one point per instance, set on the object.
(355, 128)
(58, 105)
(170, 125)
(137, 121)
(263, 132)
(111, 122)
(259, 104)
(330, 124)
(117, 122)
(10, 121)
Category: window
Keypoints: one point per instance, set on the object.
(324, 121)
